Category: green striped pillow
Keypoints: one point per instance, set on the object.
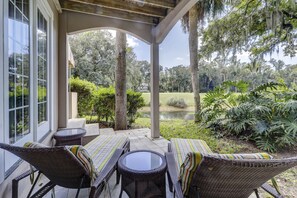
(83, 156)
(193, 160)
(34, 145)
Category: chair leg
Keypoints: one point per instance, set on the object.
(118, 177)
(31, 190)
(257, 193)
(169, 183)
(80, 185)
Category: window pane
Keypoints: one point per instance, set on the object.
(26, 90)
(19, 91)
(19, 124)
(11, 127)
(26, 121)
(11, 91)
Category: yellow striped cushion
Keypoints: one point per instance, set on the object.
(103, 147)
(181, 147)
(83, 156)
(193, 160)
(34, 145)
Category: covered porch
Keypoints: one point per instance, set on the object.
(150, 21)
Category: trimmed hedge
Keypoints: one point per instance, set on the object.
(104, 104)
(85, 95)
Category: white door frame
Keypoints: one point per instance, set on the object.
(45, 10)
(1, 92)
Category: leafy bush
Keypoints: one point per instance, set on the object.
(134, 102)
(177, 102)
(85, 95)
(105, 104)
(266, 115)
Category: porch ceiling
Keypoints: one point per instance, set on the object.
(141, 11)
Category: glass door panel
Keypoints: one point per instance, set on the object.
(42, 74)
(18, 77)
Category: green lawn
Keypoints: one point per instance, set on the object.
(188, 129)
(164, 97)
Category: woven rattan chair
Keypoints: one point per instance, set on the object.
(63, 169)
(225, 178)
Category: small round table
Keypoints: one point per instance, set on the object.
(69, 136)
(143, 174)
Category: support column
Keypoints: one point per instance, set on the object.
(155, 113)
(63, 73)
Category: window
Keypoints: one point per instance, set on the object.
(18, 70)
(42, 67)
(24, 75)
(42, 62)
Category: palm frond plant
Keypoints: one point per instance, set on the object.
(266, 115)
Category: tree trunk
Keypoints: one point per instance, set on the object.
(120, 87)
(193, 47)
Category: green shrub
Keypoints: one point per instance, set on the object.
(177, 102)
(85, 95)
(104, 104)
(135, 101)
(265, 115)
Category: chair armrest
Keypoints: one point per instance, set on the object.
(271, 190)
(173, 175)
(105, 174)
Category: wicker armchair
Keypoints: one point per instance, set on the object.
(63, 169)
(224, 178)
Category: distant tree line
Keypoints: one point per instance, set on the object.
(94, 54)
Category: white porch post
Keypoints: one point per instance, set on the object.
(63, 74)
(155, 122)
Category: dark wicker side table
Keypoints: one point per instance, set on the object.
(69, 136)
(143, 174)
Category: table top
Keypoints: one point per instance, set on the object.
(142, 161)
(70, 132)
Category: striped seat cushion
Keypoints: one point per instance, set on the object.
(34, 145)
(181, 147)
(102, 148)
(193, 160)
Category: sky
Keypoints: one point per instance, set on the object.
(174, 50)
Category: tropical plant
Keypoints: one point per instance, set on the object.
(261, 115)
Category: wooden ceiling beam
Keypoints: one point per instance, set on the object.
(107, 12)
(169, 4)
(128, 6)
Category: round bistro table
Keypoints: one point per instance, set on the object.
(69, 136)
(143, 174)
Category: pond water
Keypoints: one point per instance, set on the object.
(171, 115)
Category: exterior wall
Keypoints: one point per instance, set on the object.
(5, 187)
(72, 105)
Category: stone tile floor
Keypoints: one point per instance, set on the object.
(139, 139)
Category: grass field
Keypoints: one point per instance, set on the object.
(164, 97)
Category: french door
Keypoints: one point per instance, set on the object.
(17, 76)
(42, 74)
(26, 76)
